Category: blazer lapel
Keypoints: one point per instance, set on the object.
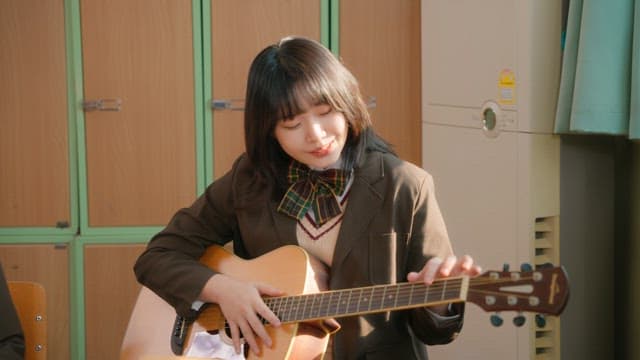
(285, 226)
(365, 200)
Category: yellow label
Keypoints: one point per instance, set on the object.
(507, 87)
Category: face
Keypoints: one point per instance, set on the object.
(315, 137)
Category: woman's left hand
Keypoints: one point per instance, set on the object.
(437, 268)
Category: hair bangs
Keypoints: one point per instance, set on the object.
(299, 97)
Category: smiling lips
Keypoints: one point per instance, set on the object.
(322, 151)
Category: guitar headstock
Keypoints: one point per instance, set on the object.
(543, 290)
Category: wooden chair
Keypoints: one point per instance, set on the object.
(29, 299)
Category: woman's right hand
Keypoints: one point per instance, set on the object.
(242, 306)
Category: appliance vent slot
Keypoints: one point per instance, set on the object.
(547, 251)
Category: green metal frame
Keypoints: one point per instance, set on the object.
(207, 90)
(334, 27)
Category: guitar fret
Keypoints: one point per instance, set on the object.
(384, 292)
(410, 294)
(357, 302)
(426, 294)
(274, 302)
(313, 306)
(361, 300)
(375, 299)
(320, 306)
(395, 300)
(339, 301)
(304, 307)
(284, 312)
(444, 289)
(298, 300)
(328, 309)
(405, 291)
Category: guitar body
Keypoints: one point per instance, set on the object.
(288, 268)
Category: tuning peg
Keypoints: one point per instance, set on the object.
(505, 267)
(526, 267)
(541, 320)
(519, 320)
(496, 320)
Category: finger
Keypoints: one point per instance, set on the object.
(476, 270)
(235, 336)
(262, 309)
(467, 266)
(463, 266)
(268, 290)
(259, 329)
(268, 315)
(430, 269)
(447, 266)
(413, 276)
(249, 338)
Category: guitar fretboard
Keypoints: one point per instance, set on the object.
(340, 303)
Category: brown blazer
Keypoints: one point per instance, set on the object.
(392, 225)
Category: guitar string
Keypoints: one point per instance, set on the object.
(380, 301)
(400, 297)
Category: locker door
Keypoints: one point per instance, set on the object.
(380, 44)
(140, 149)
(108, 311)
(48, 265)
(239, 30)
(34, 148)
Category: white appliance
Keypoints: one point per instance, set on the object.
(490, 77)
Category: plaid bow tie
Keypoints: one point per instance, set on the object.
(315, 190)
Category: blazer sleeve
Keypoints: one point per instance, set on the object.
(429, 238)
(170, 265)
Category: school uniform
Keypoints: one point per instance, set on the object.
(391, 225)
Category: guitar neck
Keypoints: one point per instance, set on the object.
(371, 299)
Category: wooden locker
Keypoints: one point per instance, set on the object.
(34, 144)
(140, 149)
(111, 290)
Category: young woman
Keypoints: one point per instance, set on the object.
(316, 175)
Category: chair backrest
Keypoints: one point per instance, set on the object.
(29, 299)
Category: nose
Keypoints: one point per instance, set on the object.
(315, 131)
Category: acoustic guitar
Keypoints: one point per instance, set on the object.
(154, 329)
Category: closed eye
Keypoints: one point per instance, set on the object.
(290, 125)
(323, 109)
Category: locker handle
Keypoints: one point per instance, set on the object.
(227, 104)
(102, 105)
(237, 104)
